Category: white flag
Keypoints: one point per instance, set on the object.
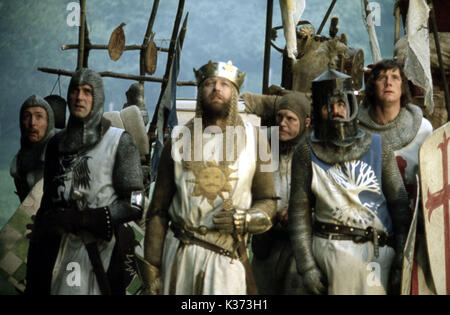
(291, 11)
(417, 63)
(368, 22)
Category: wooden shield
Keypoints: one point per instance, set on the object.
(353, 66)
(151, 58)
(434, 173)
(116, 44)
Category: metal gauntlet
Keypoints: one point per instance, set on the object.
(241, 221)
(137, 200)
(253, 221)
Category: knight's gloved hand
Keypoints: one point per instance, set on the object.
(240, 221)
(61, 220)
(67, 220)
(151, 279)
(230, 221)
(314, 281)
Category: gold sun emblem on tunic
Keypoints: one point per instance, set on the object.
(211, 181)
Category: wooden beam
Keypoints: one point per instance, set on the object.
(117, 75)
(267, 45)
(105, 47)
(81, 34)
(325, 18)
(148, 37)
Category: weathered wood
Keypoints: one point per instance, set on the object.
(96, 46)
(81, 34)
(173, 39)
(146, 39)
(325, 18)
(397, 22)
(267, 45)
(117, 75)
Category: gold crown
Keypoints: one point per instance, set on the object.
(220, 69)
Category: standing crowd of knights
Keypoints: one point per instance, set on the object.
(340, 198)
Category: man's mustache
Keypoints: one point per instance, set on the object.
(216, 94)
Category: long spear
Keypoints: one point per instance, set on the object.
(173, 39)
(81, 34)
(269, 14)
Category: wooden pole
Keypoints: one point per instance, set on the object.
(266, 69)
(397, 22)
(147, 37)
(81, 34)
(325, 18)
(173, 39)
(117, 75)
(441, 63)
(105, 47)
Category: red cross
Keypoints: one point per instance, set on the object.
(410, 188)
(441, 198)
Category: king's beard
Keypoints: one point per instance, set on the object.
(219, 112)
(214, 108)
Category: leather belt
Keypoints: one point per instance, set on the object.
(186, 237)
(357, 235)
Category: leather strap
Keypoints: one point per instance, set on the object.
(187, 238)
(342, 232)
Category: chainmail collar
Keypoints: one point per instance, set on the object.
(332, 154)
(397, 133)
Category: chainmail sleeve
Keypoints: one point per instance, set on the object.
(395, 192)
(300, 209)
(397, 202)
(263, 187)
(157, 215)
(127, 177)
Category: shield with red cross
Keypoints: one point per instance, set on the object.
(434, 174)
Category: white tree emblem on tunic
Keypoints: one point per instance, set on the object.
(349, 183)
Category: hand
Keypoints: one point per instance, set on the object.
(231, 221)
(151, 279)
(62, 220)
(282, 216)
(314, 281)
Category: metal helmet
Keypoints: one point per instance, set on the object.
(327, 89)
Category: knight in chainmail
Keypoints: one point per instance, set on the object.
(273, 261)
(348, 211)
(37, 126)
(206, 203)
(92, 186)
(135, 96)
(386, 111)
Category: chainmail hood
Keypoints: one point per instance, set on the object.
(82, 133)
(397, 133)
(299, 104)
(31, 155)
